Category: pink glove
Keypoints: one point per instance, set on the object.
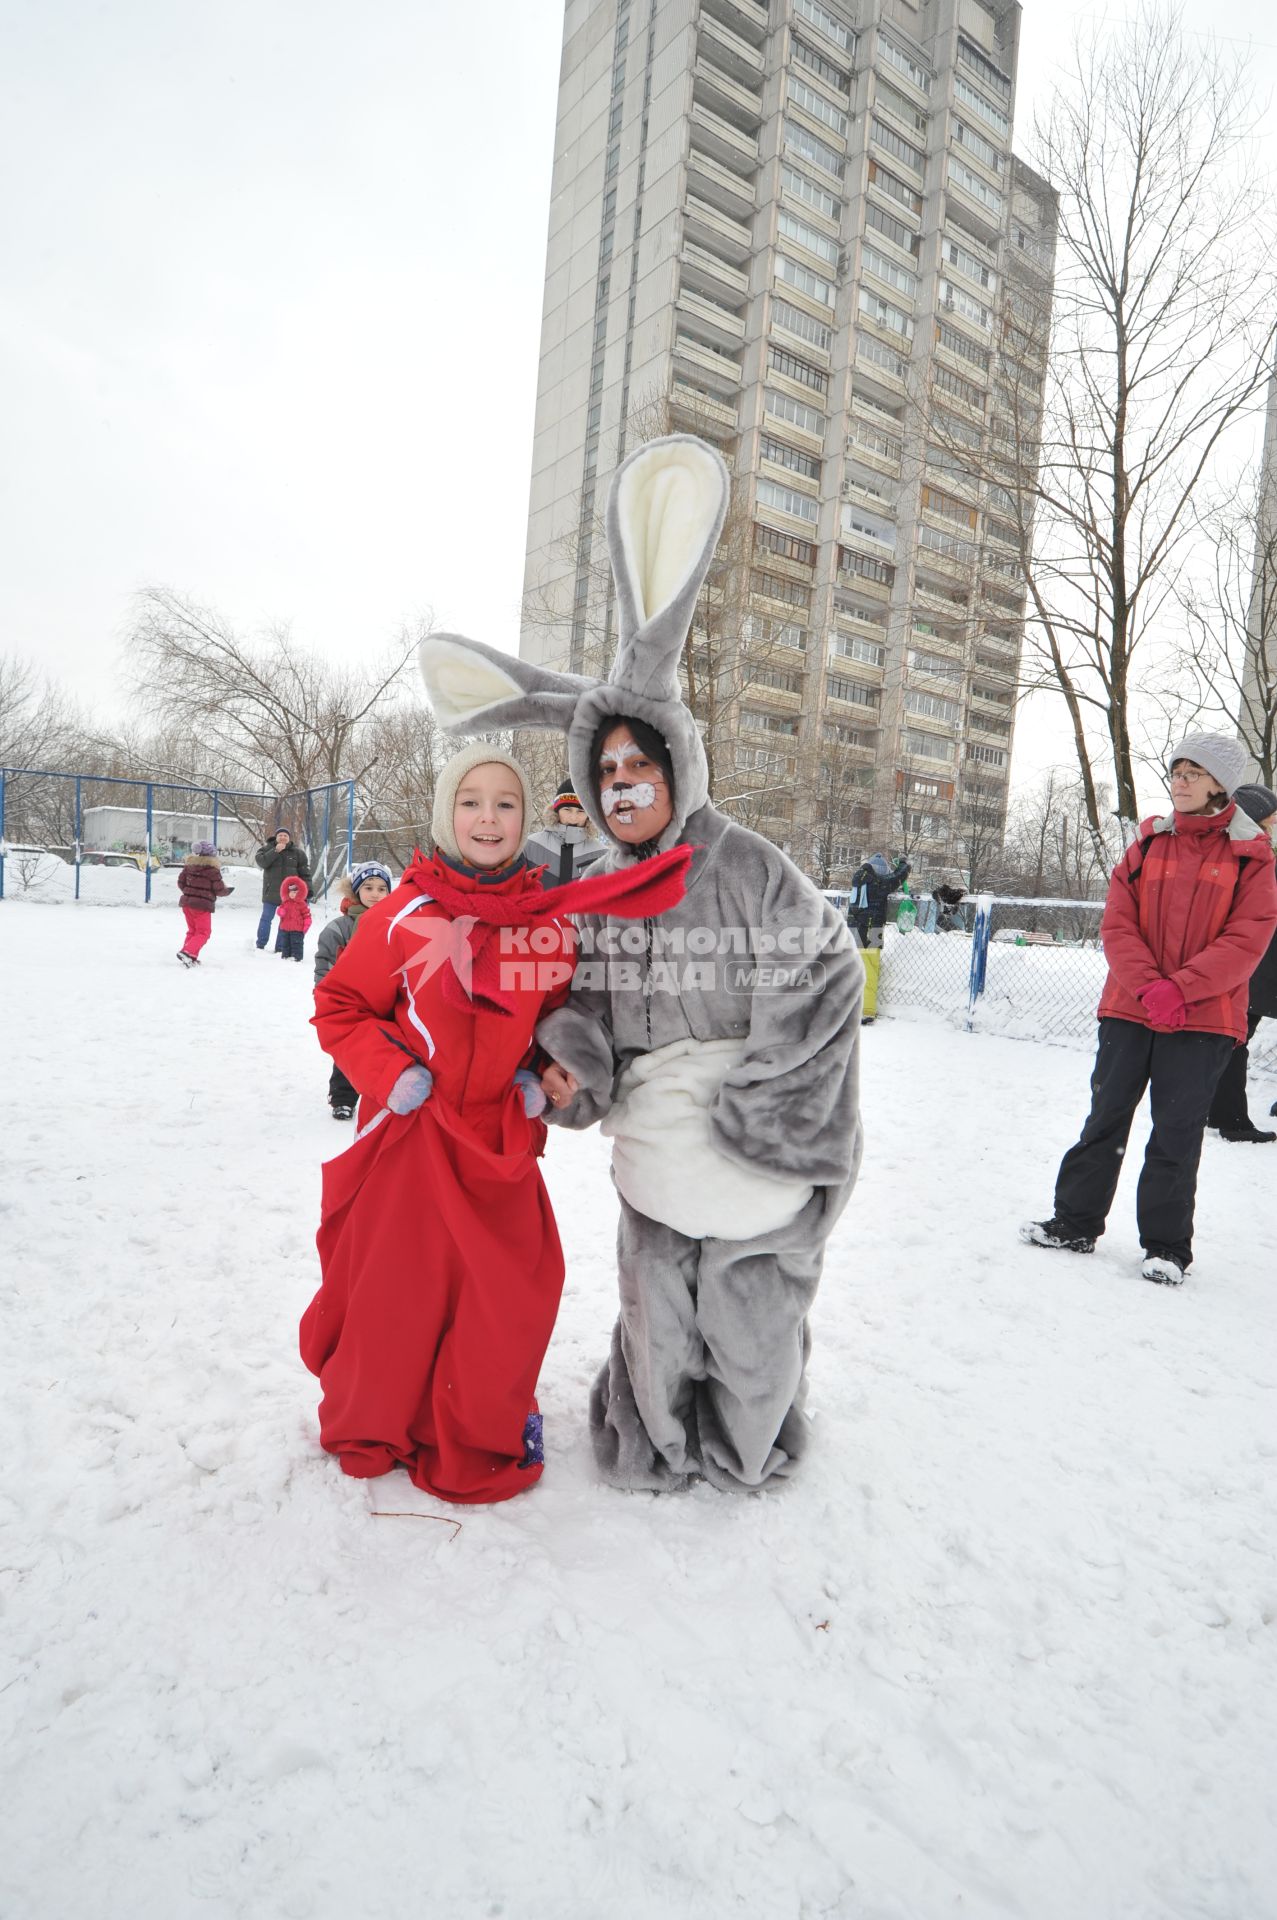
(1165, 1005)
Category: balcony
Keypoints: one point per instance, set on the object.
(726, 97)
(729, 51)
(736, 151)
(706, 320)
(746, 17)
(706, 226)
(718, 184)
(704, 410)
(719, 367)
(704, 272)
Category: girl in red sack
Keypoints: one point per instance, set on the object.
(440, 1258)
(1191, 908)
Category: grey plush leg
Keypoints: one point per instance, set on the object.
(641, 1414)
(754, 1297)
(708, 1362)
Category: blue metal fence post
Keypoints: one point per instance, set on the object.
(979, 953)
(150, 816)
(79, 828)
(217, 794)
(350, 825)
(328, 835)
(1, 833)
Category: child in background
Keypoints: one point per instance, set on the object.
(294, 918)
(362, 888)
(201, 886)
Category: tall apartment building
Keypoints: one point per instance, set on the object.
(798, 230)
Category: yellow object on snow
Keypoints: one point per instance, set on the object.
(872, 957)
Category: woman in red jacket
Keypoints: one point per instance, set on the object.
(440, 1257)
(1191, 907)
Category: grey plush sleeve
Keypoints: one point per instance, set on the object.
(579, 1037)
(792, 1105)
(327, 947)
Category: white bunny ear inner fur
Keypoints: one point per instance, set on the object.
(462, 682)
(667, 504)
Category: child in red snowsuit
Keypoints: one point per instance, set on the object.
(294, 917)
(441, 1262)
(201, 886)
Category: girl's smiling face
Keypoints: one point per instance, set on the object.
(372, 890)
(633, 790)
(487, 816)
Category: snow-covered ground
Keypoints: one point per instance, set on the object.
(1006, 1647)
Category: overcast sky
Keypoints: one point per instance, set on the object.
(270, 294)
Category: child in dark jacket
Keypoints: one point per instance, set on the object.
(362, 888)
(1191, 908)
(294, 918)
(201, 886)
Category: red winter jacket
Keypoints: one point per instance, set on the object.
(1193, 900)
(200, 883)
(294, 914)
(388, 1004)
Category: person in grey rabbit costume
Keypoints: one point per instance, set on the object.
(730, 1094)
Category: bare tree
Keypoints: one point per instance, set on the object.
(1229, 650)
(1164, 321)
(266, 709)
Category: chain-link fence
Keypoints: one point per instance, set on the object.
(1027, 969)
(61, 832)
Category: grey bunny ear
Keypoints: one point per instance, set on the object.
(476, 689)
(665, 512)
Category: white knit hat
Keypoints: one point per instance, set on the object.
(481, 753)
(1225, 759)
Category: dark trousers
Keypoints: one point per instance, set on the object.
(1180, 1070)
(290, 944)
(1229, 1108)
(340, 1091)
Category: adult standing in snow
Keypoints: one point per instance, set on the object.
(566, 846)
(280, 859)
(441, 1261)
(719, 1049)
(1229, 1110)
(872, 885)
(1191, 907)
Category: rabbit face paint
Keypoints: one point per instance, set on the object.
(633, 790)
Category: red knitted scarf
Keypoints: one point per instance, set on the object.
(640, 892)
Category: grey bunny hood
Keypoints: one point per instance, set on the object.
(665, 511)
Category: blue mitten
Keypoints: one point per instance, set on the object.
(529, 1085)
(411, 1090)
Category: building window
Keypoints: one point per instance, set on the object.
(975, 143)
(856, 692)
(850, 646)
(949, 507)
(816, 63)
(818, 198)
(968, 264)
(991, 115)
(783, 406)
(932, 706)
(965, 349)
(962, 176)
(894, 187)
(865, 567)
(986, 756)
(885, 314)
(776, 677)
(928, 746)
(795, 369)
(817, 106)
(774, 586)
(785, 545)
(769, 722)
(818, 243)
(992, 76)
(948, 544)
(803, 280)
(804, 325)
(856, 521)
(953, 383)
(804, 143)
(786, 500)
(876, 354)
(890, 228)
(895, 103)
(804, 463)
(829, 24)
(884, 269)
(896, 57)
(938, 665)
(897, 146)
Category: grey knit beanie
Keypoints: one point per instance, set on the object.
(481, 753)
(1225, 759)
(1259, 802)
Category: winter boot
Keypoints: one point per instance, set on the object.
(1249, 1132)
(1162, 1270)
(187, 959)
(341, 1111)
(1054, 1233)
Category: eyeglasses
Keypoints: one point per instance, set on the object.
(1197, 774)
